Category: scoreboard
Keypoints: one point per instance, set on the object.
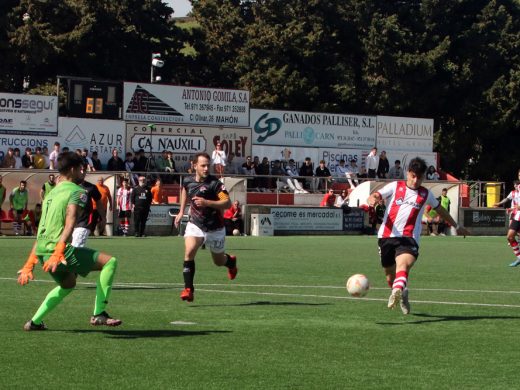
(94, 99)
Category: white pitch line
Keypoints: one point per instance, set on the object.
(344, 297)
(151, 285)
(358, 299)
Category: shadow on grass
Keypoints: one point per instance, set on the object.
(265, 303)
(429, 318)
(147, 333)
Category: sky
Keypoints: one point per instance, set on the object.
(181, 7)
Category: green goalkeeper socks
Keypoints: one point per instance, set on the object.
(104, 285)
(53, 298)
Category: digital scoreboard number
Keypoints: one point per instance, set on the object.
(94, 99)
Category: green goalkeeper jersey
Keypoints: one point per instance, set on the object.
(54, 210)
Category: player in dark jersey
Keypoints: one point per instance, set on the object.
(87, 217)
(208, 199)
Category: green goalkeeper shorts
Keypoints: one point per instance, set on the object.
(79, 261)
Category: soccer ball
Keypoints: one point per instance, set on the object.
(358, 285)
(236, 232)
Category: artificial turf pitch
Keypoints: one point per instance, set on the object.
(286, 322)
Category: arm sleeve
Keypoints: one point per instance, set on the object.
(388, 190)
(432, 200)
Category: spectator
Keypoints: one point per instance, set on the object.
(233, 219)
(432, 174)
(322, 175)
(45, 154)
(383, 166)
(248, 169)
(27, 159)
(352, 173)
(18, 159)
(141, 162)
(218, 159)
(279, 172)
(38, 158)
(53, 157)
(2, 199)
(307, 171)
(232, 167)
(158, 192)
(130, 167)
(141, 200)
(96, 162)
(295, 185)
(431, 217)
(47, 187)
(328, 199)
(169, 166)
(372, 162)
(9, 159)
(101, 206)
(375, 214)
(124, 205)
(341, 199)
(18, 201)
(396, 172)
(87, 160)
(115, 163)
(189, 167)
(262, 169)
(65, 149)
(341, 171)
(446, 203)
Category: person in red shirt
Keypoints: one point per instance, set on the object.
(157, 192)
(328, 199)
(102, 205)
(233, 218)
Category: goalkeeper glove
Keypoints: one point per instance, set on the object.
(57, 258)
(26, 273)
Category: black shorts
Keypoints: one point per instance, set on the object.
(514, 225)
(390, 248)
(125, 213)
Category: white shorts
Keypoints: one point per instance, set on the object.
(79, 237)
(215, 239)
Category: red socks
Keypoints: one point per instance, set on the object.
(401, 279)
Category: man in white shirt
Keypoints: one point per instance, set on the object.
(53, 157)
(372, 162)
(352, 174)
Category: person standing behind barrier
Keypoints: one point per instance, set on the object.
(157, 192)
(328, 199)
(53, 157)
(27, 159)
(322, 175)
(115, 163)
(47, 187)
(372, 163)
(141, 200)
(446, 203)
(38, 158)
(18, 159)
(96, 162)
(218, 159)
(383, 166)
(307, 172)
(106, 200)
(396, 172)
(18, 200)
(124, 205)
(9, 161)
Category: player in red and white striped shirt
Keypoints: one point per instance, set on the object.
(514, 224)
(124, 205)
(401, 228)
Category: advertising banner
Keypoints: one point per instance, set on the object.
(354, 221)
(28, 114)
(75, 133)
(485, 218)
(185, 141)
(293, 218)
(291, 128)
(159, 216)
(398, 133)
(93, 134)
(156, 103)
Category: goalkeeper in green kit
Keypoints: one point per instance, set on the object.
(53, 250)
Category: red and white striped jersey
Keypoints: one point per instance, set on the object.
(404, 209)
(514, 197)
(123, 199)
